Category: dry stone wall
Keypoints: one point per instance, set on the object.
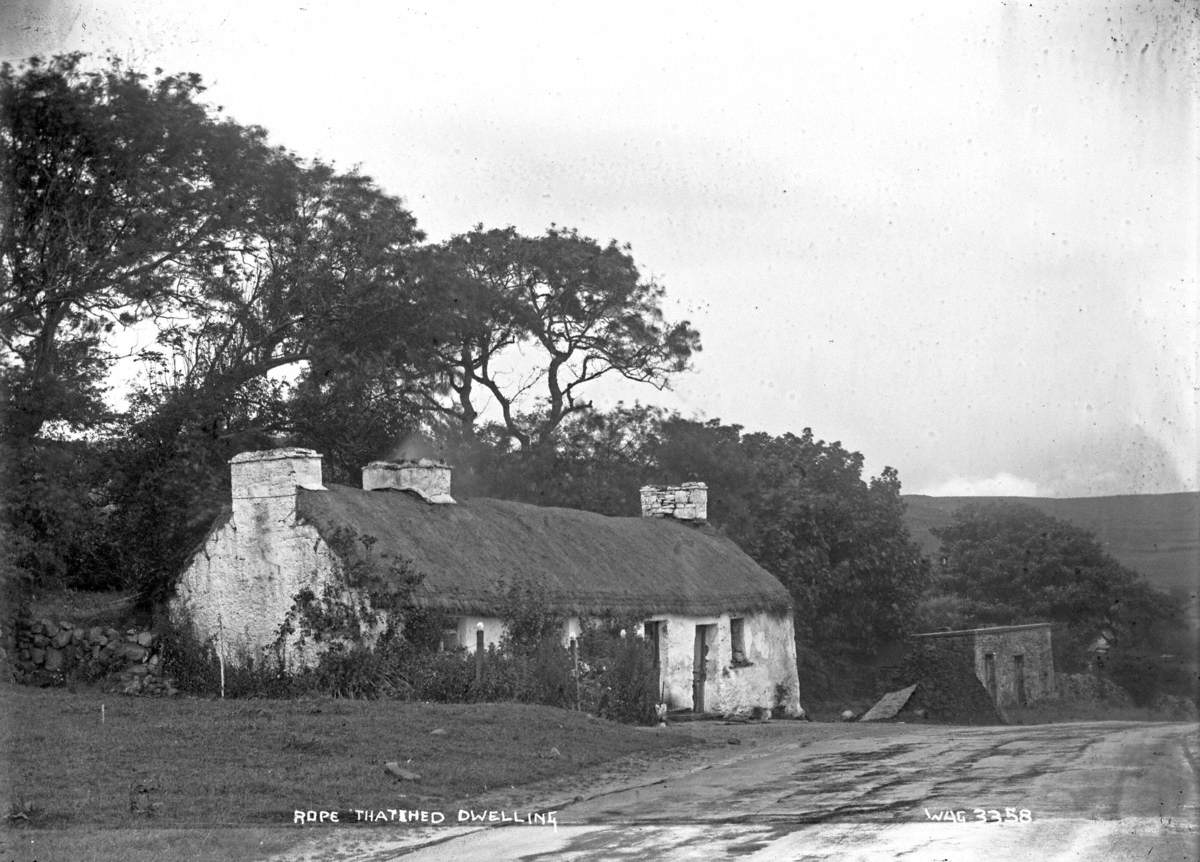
(49, 652)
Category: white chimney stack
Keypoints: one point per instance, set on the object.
(425, 477)
(686, 502)
(264, 484)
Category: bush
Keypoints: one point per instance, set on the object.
(444, 677)
(548, 677)
(629, 691)
(193, 665)
(615, 677)
(1150, 676)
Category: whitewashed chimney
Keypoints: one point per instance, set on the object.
(264, 485)
(686, 502)
(428, 479)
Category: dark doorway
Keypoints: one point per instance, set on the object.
(989, 674)
(1019, 679)
(700, 666)
(655, 633)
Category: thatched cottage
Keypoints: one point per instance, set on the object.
(720, 626)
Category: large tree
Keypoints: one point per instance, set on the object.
(117, 186)
(574, 310)
(127, 198)
(314, 335)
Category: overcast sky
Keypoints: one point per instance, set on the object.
(958, 237)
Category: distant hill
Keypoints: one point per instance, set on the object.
(1156, 535)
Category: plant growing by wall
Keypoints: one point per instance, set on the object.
(528, 619)
(366, 610)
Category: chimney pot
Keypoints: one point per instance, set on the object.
(686, 502)
(425, 477)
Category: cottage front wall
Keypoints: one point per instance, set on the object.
(765, 679)
(1037, 663)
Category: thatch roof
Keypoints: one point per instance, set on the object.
(585, 563)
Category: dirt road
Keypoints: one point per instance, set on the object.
(1082, 791)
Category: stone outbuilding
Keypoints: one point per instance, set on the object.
(1014, 663)
(720, 626)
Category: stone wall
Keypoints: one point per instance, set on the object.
(49, 652)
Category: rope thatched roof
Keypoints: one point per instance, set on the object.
(585, 563)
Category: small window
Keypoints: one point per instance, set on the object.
(737, 640)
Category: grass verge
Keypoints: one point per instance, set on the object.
(227, 775)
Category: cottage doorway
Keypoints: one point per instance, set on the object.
(705, 635)
(655, 631)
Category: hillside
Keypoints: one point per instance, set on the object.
(1157, 535)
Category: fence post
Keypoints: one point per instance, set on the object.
(575, 664)
(221, 652)
(478, 653)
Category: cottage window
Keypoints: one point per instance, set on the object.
(737, 640)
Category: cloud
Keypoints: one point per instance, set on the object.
(1000, 485)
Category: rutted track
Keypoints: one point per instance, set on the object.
(1111, 790)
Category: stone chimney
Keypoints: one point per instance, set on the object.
(264, 484)
(428, 479)
(686, 502)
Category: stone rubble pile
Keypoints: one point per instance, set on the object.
(50, 653)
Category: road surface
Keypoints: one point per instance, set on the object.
(1078, 791)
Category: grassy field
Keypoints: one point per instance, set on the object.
(226, 776)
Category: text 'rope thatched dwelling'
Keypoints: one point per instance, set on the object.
(720, 626)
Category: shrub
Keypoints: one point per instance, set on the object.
(548, 675)
(445, 677)
(1150, 676)
(528, 620)
(628, 685)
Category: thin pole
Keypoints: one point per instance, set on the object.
(575, 662)
(221, 653)
(478, 653)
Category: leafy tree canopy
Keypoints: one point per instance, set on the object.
(1009, 563)
(116, 186)
(581, 308)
